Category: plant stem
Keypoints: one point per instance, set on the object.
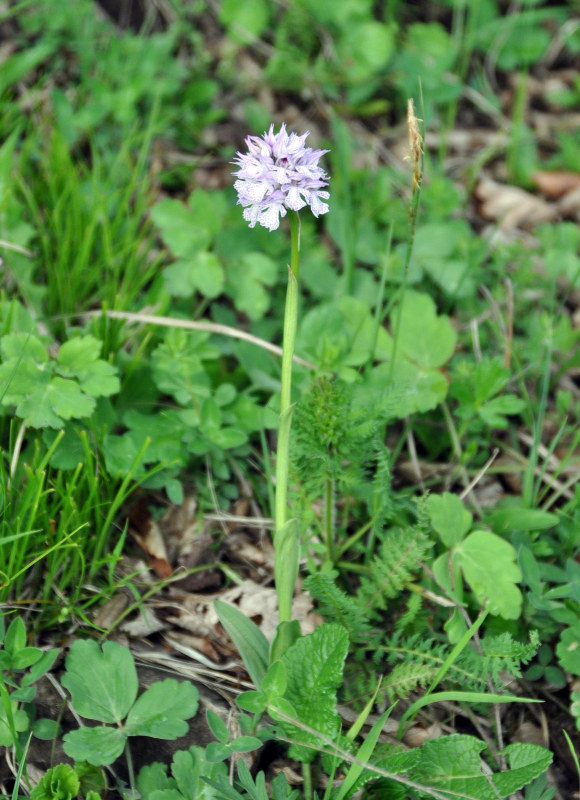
(328, 517)
(307, 775)
(283, 449)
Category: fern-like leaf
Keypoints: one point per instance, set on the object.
(393, 567)
(336, 606)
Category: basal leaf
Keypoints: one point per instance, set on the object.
(449, 517)
(23, 345)
(248, 638)
(424, 337)
(161, 711)
(75, 354)
(60, 400)
(99, 379)
(20, 378)
(99, 746)
(489, 566)
(493, 413)
(180, 230)
(103, 683)
(314, 666)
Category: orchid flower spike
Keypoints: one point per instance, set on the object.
(278, 173)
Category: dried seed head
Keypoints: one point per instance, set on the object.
(415, 144)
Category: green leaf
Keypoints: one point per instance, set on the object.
(62, 399)
(99, 746)
(203, 272)
(75, 354)
(449, 517)
(254, 702)
(424, 337)
(248, 638)
(103, 683)
(189, 767)
(506, 520)
(489, 566)
(249, 281)
(19, 720)
(314, 666)
(526, 761)
(15, 637)
(493, 412)
(217, 726)
(180, 229)
(58, 783)
(161, 711)
(23, 346)
(154, 778)
(245, 744)
(40, 668)
(99, 379)
(568, 649)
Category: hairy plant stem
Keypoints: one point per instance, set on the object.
(283, 448)
(329, 517)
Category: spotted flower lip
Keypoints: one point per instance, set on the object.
(279, 173)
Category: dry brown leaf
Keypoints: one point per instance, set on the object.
(556, 183)
(511, 206)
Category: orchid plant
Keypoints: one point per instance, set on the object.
(277, 175)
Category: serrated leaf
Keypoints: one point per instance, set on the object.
(424, 337)
(99, 746)
(19, 379)
(58, 783)
(314, 666)
(23, 346)
(103, 683)
(249, 281)
(60, 400)
(153, 778)
(526, 761)
(99, 379)
(489, 566)
(161, 711)
(180, 230)
(493, 412)
(75, 354)
(449, 517)
(203, 272)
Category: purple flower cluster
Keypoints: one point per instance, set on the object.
(278, 173)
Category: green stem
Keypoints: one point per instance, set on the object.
(283, 449)
(328, 517)
(307, 775)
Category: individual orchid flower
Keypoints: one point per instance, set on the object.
(279, 173)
